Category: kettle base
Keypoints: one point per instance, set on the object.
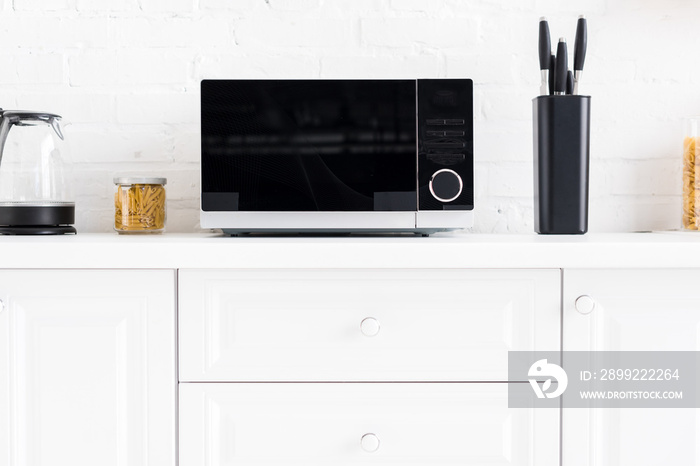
(37, 219)
(39, 230)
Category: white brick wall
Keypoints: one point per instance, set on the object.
(126, 74)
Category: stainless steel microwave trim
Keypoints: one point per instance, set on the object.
(444, 220)
(357, 222)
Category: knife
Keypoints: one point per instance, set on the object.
(545, 49)
(552, 72)
(561, 68)
(569, 82)
(580, 50)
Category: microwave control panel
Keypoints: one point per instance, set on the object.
(445, 144)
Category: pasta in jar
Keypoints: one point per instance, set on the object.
(139, 205)
(690, 184)
(691, 175)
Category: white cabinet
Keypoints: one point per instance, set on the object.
(379, 329)
(87, 368)
(321, 424)
(363, 325)
(631, 310)
(310, 351)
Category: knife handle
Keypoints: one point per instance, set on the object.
(581, 43)
(569, 82)
(552, 73)
(561, 68)
(545, 46)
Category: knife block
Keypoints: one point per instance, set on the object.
(561, 139)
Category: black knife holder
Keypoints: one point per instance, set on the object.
(561, 151)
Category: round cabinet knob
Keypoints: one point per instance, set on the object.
(584, 304)
(369, 327)
(445, 185)
(369, 443)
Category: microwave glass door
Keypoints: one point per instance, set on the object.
(309, 145)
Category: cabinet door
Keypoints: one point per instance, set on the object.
(363, 325)
(87, 368)
(634, 310)
(322, 424)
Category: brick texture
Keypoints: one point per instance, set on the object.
(125, 75)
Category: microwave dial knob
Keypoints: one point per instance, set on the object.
(445, 185)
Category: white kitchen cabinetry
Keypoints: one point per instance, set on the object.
(87, 368)
(331, 351)
(631, 310)
(363, 325)
(321, 424)
(379, 329)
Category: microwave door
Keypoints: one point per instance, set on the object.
(304, 146)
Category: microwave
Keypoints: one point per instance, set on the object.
(337, 156)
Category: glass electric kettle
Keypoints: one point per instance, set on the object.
(35, 192)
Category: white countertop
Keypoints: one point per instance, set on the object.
(170, 251)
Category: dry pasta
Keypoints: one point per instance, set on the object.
(691, 184)
(139, 207)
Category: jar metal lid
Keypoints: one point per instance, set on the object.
(139, 180)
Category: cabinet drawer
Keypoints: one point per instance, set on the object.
(363, 325)
(309, 424)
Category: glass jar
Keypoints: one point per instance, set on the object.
(139, 205)
(691, 175)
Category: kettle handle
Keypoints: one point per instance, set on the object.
(54, 122)
(10, 117)
(5, 125)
